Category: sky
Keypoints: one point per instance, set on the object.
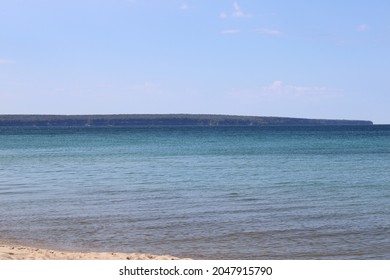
(301, 58)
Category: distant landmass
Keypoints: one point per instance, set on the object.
(162, 120)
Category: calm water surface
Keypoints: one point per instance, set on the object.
(211, 192)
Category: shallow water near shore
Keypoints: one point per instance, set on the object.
(199, 192)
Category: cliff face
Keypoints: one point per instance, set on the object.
(161, 120)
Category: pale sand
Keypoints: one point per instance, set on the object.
(9, 252)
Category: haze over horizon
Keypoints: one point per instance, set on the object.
(303, 59)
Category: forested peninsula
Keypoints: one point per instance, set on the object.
(124, 120)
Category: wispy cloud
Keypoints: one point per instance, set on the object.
(278, 88)
(236, 13)
(363, 28)
(223, 15)
(343, 42)
(6, 61)
(270, 32)
(230, 31)
(147, 88)
(184, 7)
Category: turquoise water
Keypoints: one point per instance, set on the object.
(200, 192)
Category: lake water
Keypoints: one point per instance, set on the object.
(199, 192)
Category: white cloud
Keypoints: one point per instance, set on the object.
(271, 32)
(363, 28)
(230, 31)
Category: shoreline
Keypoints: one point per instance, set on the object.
(19, 252)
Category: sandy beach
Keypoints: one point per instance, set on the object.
(9, 252)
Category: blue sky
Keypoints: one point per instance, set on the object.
(314, 59)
